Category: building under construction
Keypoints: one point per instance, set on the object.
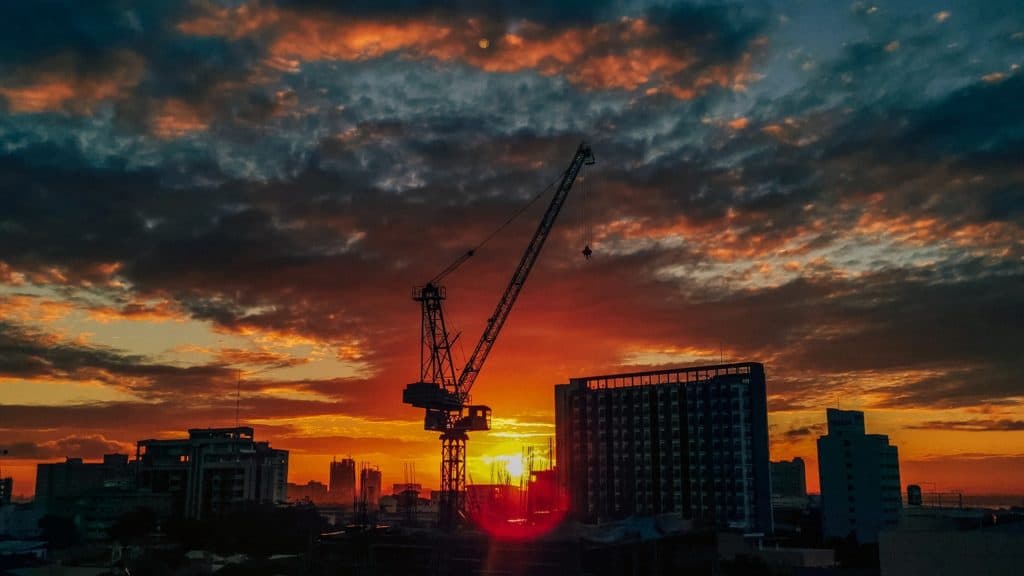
(688, 440)
(342, 482)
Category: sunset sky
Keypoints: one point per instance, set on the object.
(197, 192)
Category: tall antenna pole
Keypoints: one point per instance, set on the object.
(238, 393)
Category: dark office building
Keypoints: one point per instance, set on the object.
(60, 481)
(860, 479)
(789, 479)
(688, 440)
(6, 489)
(213, 471)
(342, 482)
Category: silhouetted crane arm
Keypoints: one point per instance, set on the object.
(508, 299)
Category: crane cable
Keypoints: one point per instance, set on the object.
(586, 228)
(472, 251)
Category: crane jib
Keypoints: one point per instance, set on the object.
(583, 156)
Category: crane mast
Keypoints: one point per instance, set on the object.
(440, 392)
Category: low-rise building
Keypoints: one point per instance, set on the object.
(311, 491)
(59, 482)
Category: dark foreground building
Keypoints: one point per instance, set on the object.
(689, 440)
(860, 479)
(213, 471)
(59, 482)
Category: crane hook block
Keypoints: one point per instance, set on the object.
(587, 252)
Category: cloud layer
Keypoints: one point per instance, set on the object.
(198, 195)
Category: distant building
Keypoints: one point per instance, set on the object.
(914, 495)
(59, 482)
(370, 484)
(860, 479)
(342, 483)
(6, 490)
(789, 479)
(213, 471)
(311, 491)
(692, 441)
(401, 487)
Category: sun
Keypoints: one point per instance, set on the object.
(500, 465)
(514, 465)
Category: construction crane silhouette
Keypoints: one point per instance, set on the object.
(444, 394)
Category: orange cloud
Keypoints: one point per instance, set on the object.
(176, 118)
(625, 54)
(29, 308)
(9, 275)
(738, 123)
(56, 85)
(998, 237)
(161, 311)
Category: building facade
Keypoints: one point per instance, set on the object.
(860, 479)
(213, 471)
(342, 481)
(6, 490)
(692, 441)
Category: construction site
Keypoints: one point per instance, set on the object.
(553, 519)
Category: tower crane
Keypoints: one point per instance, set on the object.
(445, 394)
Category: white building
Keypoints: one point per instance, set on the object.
(860, 479)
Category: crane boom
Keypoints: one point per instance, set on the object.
(476, 360)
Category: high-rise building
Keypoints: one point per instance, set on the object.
(60, 481)
(789, 479)
(860, 479)
(370, 484)
(693, 441)
(342, 482)
(214, 470)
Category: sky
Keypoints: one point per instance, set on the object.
(199, 199)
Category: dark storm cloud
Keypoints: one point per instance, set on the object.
(799, 433)
(974, 425)
(72, 57)
(953, 159)
(75, 446)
